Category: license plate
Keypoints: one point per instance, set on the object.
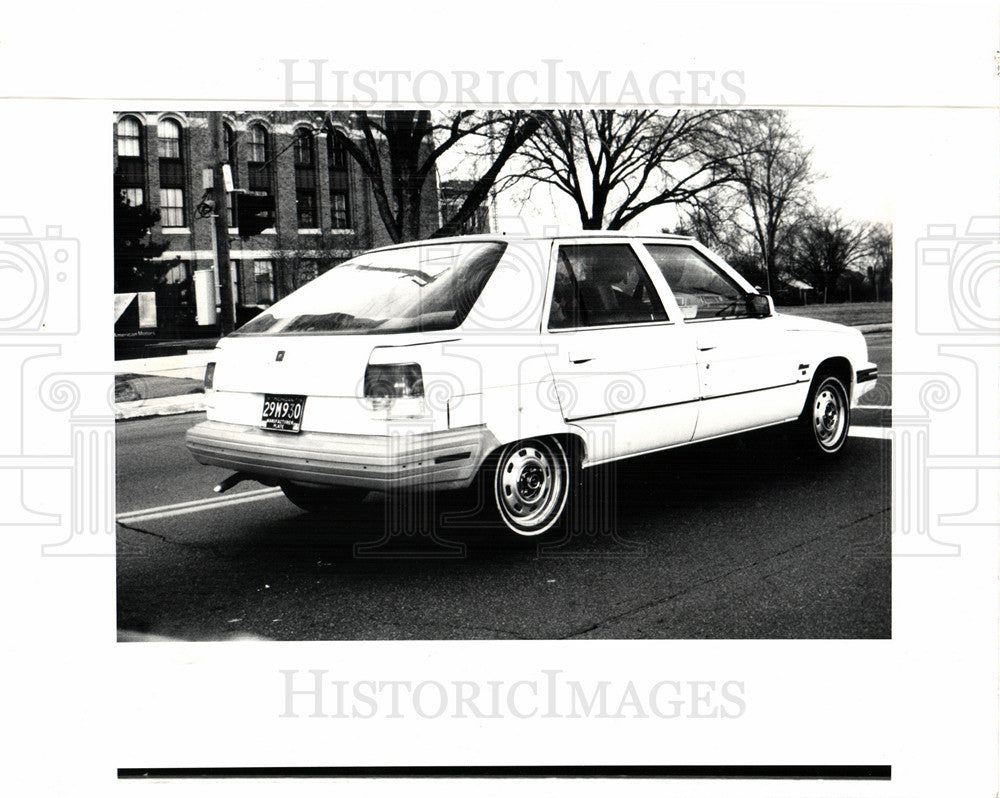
(282, 413)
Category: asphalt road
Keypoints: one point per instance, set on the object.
(737, 538)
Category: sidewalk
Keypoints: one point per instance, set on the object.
(166, 386)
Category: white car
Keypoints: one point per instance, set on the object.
(519, 361)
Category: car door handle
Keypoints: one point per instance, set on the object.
(705, 347)
(580, 357)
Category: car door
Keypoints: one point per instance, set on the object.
(748, 367)
(624, 372)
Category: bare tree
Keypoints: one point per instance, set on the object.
(400, 150)
(614, 165)
(769, 193)
(880, 251)
(826, 248)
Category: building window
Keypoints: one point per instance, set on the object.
(178, 273)
(130, 175)
(129, 137)
(305, 206)
(305, 179)
(239, 274)
(257, 144)
(258, 165)
(340, 196)
(133, 196)
(339, 219)
(172, 207)
(172, 174)
(169, 133)
(338, 153)
(303, 147)
(263, 278)
(256, 282)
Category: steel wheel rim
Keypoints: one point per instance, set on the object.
(829, 416)
(531, 486)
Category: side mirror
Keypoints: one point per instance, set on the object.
(759, 306)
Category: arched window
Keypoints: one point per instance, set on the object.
(172, 174)
(340, 192)
(305, 179)
(129, 137)
(303, 147)
(258, 166)
(259, 202)
(169, 133)
(130, 176)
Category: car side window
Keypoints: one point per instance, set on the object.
(702, 291)
(602, 284)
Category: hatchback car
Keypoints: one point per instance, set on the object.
(518, 362)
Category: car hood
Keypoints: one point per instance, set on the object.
(805, 324)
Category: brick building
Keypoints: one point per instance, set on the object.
(453, 194)
(324, 209)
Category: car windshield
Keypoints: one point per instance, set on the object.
(428, 287)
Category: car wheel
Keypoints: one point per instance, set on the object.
(531, 483)
(322, 500)
(827, 416)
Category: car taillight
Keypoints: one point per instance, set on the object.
(209, 376)
(384, 382)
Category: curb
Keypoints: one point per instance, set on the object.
(166, 363)
(874, 328)
(162, 406)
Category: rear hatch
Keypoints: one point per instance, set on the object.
(312, 365)
(327, 372)
(314, 346)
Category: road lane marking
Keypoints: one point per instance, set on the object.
(878, 433)
(872, 407)
(207, 500)
(184, 508)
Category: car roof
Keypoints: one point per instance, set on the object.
(501, 237)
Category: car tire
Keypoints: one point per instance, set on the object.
(323, 500)
(826, 418)
(531, 481)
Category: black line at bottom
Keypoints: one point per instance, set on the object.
(836, 772)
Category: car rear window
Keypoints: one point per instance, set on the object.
(428, 287)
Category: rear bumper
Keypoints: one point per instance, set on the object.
(418, 461)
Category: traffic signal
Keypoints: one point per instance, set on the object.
(254, 213)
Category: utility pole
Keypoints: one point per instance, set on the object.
(221, 201)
